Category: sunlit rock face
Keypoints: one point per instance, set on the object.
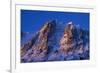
(36, 49)
(66, 42)
(74, 42)
(55, 42)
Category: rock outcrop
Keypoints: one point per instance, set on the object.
(66, 42)
(37, 48)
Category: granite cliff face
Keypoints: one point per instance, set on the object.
(52, 44)
(66, 41)
(36, 49)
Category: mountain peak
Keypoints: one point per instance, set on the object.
(70, 23)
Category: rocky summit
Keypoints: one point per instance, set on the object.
(55, 42)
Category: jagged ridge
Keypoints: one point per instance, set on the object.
(52, 44)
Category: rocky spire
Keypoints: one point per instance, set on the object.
(40, 47)
(67, 38)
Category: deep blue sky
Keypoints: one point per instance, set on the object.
(31, 20)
